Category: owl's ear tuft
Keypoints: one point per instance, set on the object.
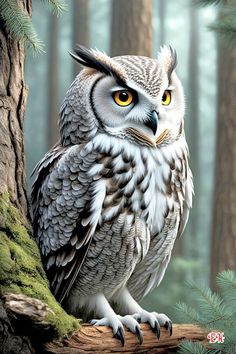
(168, 57)
(99, 61)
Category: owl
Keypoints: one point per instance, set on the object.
(112, 196)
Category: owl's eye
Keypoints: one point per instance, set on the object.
(166, 98)
(123, 97)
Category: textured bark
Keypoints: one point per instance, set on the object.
(131, 27)
(100, 340)
(53, 133)
(224, 214)
(80, 28)
(13, 94)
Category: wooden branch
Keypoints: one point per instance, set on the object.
(90, 339)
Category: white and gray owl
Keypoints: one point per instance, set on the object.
(111, 198)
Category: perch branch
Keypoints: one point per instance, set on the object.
(98, 340)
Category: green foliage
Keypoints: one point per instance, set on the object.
(212, 312)
(225, 25)
(19, 24)
(56, 6)
(208, 2)
(21, 270)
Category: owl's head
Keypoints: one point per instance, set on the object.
(132, 97)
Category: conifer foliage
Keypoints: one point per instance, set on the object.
(19, 24)
(214, 313)
(225, 24)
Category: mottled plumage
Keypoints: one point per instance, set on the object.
(110, 199)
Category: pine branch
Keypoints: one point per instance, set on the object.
(56, 6)
(187, 314)
(208, 2)
(226, 281)
(213, 309)
(225, 25)
(19, 24)
(188, 347)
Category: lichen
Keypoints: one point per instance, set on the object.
(21, 270)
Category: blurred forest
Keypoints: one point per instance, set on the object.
(137, 27)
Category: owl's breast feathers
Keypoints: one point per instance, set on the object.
(82, 188)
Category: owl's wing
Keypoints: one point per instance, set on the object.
(187, 204)
(149, 273)
(67, 204)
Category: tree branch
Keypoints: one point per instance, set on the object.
(97, 340)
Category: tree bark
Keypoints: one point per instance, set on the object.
(100, 340)
(131, 27)
(223, 246)
(13, 95)
(20, 265)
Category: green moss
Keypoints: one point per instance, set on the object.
(21, 270)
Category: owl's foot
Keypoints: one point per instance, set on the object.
(115, 324)
(130, 322)
(155, 320)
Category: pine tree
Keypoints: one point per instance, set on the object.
(213, 312)
(19, 24)
(225, 24)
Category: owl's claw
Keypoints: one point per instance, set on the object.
(139, 334)
(115, 324)
(169, 327)
(129, 322)
(155, 320)
(120, 335)
(156, 330)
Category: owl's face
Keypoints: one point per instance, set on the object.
(136, 98)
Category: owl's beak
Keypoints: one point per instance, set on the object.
(152, 121)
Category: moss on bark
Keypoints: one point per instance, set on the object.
(21, 271)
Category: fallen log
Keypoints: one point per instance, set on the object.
(90, 339)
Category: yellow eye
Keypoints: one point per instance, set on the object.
(123, 98)
(166, 98)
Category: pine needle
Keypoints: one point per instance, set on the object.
(19, 25)
(225, 26)
(187, 347)
(226, 281)
(208, 2)
(56, 6)
(187, 313)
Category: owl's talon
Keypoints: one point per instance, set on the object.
(120, 335)
(169, 327)
(114, 323)
(156, 330)
(139, 334)
(131, 323)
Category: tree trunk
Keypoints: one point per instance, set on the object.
(131, 27)
(53, 133)
(162, 12)
(80, 28)
(223, 247)
(20, 265)
(193, 125)
(13, 95)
